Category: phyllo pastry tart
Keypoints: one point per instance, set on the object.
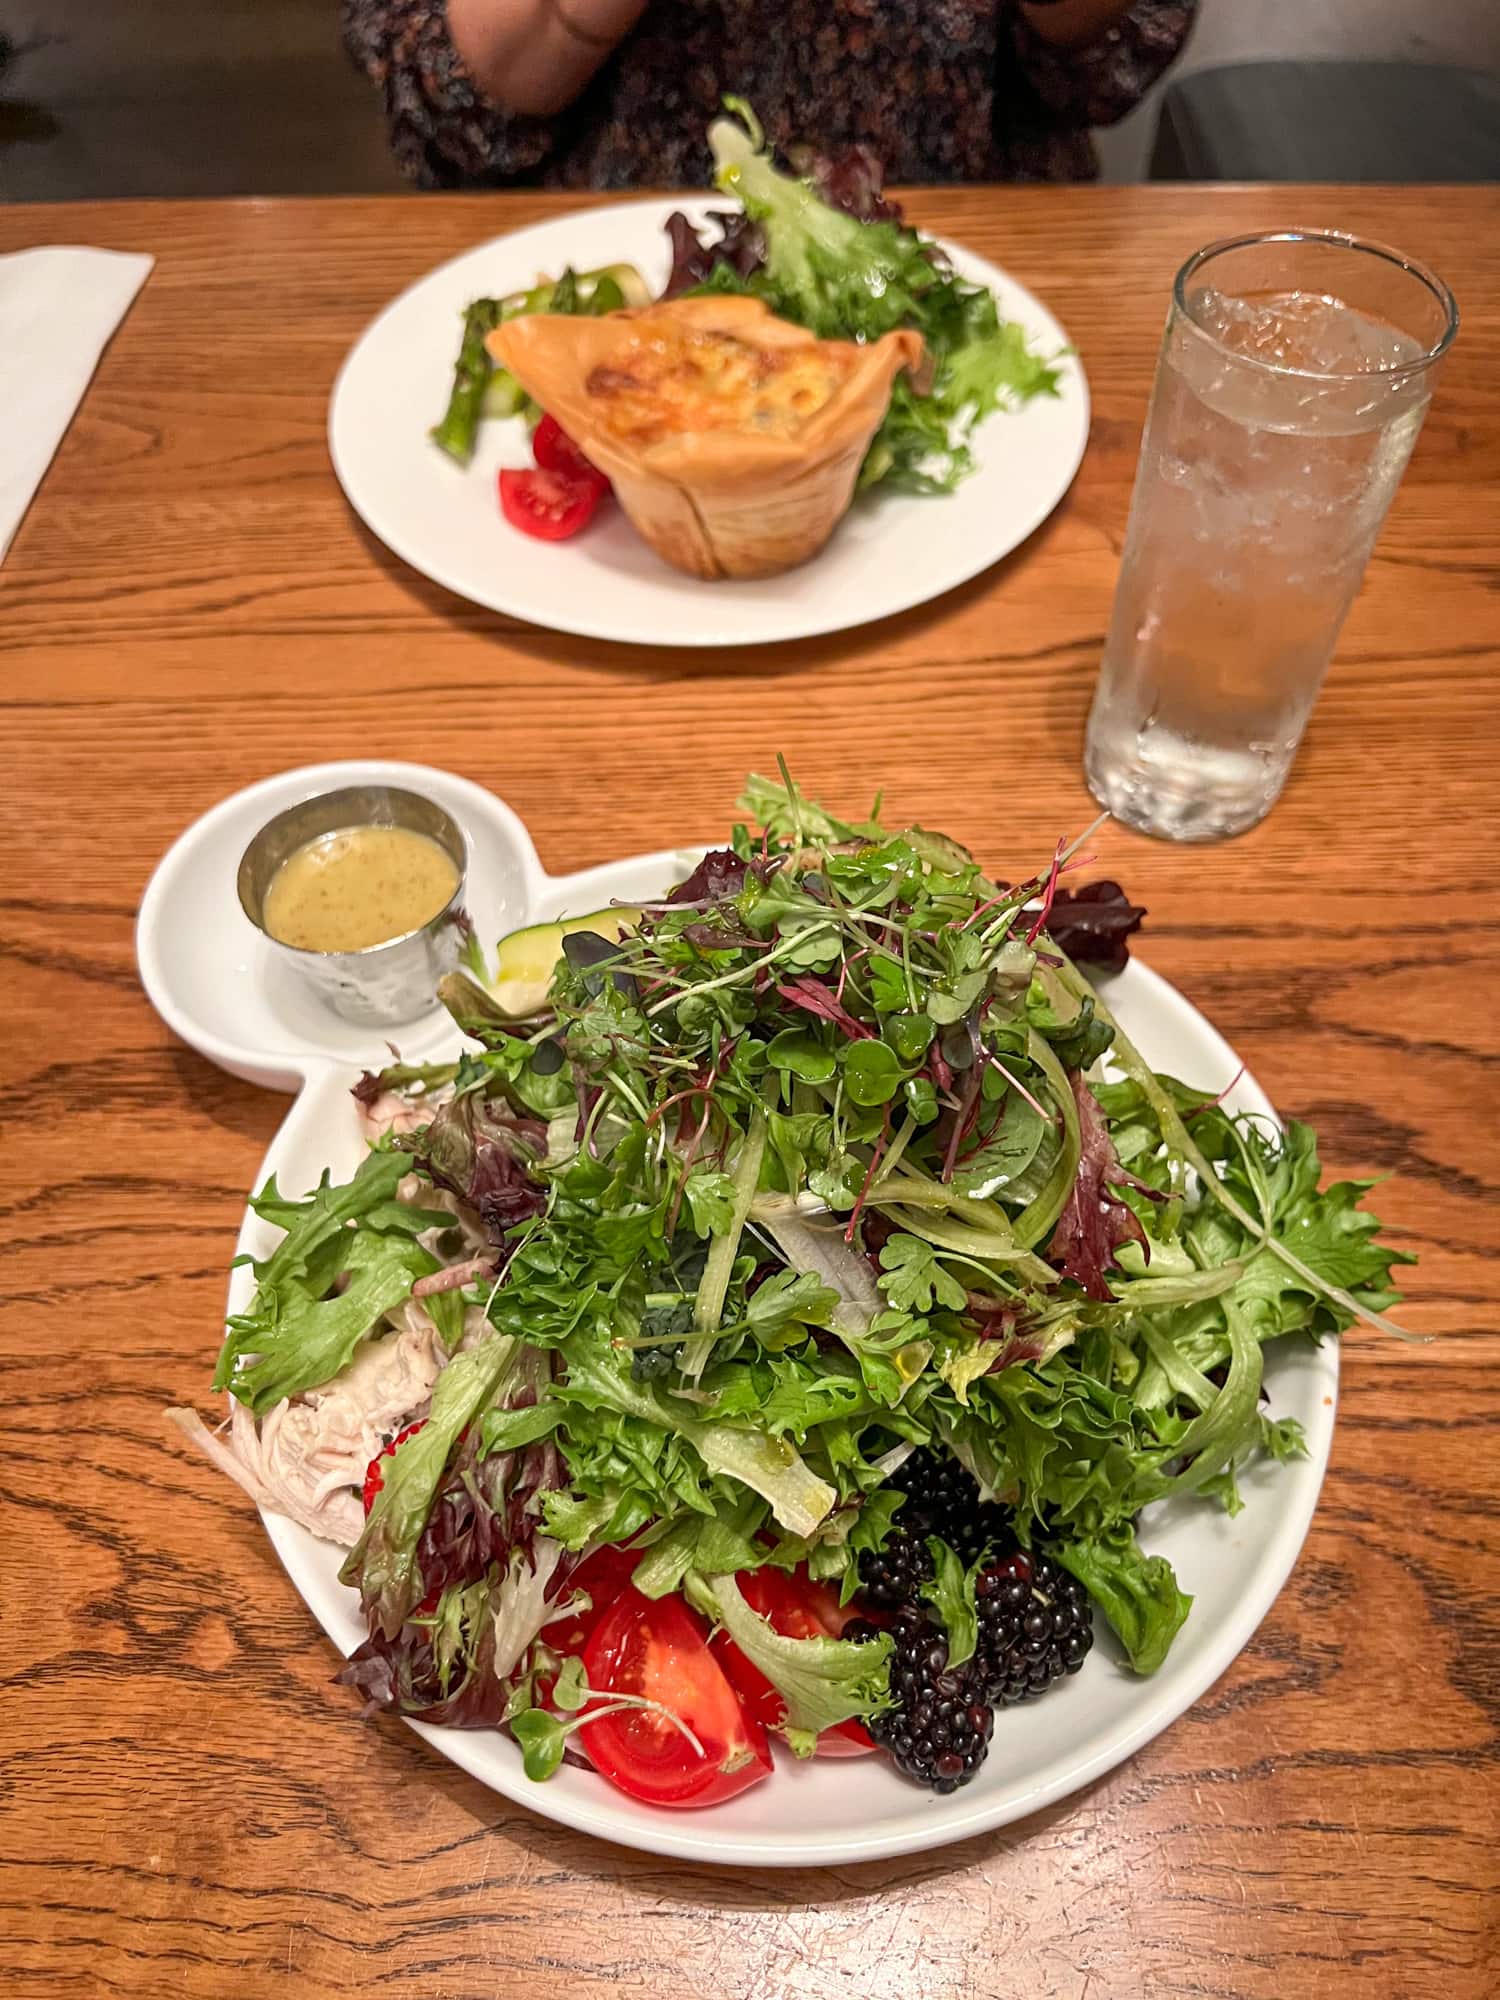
(733, 438)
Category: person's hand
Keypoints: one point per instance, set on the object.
(1073, 24)
(533, 57)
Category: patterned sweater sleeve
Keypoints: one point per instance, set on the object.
(1098, 84)
(443, 132)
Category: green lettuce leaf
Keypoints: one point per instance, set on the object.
(852, 280)
(950, 1592)
(914, 1280)
(823, 1681)
(768, 1466)
(305, 1340)
(299, 1329)
(1137, 1593)
(511, 1430)
(1336, 1240)
(382, 1565)
(725, 1543)
(578, 1520)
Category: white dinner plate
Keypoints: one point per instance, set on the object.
(891, 551)
(806, 1815)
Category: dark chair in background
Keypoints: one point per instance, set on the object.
(1329, 121)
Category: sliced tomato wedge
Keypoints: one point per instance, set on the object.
(603, 1575)
(555, 451)
(822, 1601)
(549, 505)
(797, 1608)
(660, 1651)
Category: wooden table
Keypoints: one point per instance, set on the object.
(188, 1808)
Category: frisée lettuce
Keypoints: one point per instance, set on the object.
(849, 279)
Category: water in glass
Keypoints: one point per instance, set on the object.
(1259, 494)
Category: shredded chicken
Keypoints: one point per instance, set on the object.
(307, 1457)
(456, 1275)
(417, 1193)
(411, 1317)
(391, 1112)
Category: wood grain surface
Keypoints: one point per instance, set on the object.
(186, 1806)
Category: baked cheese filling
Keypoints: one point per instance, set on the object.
(672, 381)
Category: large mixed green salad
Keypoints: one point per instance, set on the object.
(776, 1321)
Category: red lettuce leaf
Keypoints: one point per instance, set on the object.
(741, 245)
(484, 1514)
(485, 1507)
(720, 873)
(401, 1676)
(1095, 1222)
(1091, 924)
(811, 995)
(722, 937)
(480, 1150)
(1009, 1329)
(852, 179)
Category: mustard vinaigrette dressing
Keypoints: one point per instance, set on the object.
(359, 886)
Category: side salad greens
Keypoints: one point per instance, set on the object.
(856, 272)
(829, 251)
(808, 1293)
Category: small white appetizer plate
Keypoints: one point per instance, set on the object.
(219, 984)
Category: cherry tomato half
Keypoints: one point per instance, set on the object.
(797, 1608)
(555, 451)
(659, 1650)
(548, 505)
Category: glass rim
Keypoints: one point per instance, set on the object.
(1341, 239)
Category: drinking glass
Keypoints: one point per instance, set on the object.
(1294, 375)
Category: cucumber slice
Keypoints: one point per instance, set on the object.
(526, 960)
(634, 291)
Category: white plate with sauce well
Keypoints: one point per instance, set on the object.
(810, 1815)
(891, 551)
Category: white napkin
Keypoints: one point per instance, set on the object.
(58, 308)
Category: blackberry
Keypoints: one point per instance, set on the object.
(891, 1578)
(1035, 1624)
(939, 1730)
(943, 1499)
(662, 1323)
(1035, 1627)
(653, 1364)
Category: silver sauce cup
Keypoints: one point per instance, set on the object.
(384, 983)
